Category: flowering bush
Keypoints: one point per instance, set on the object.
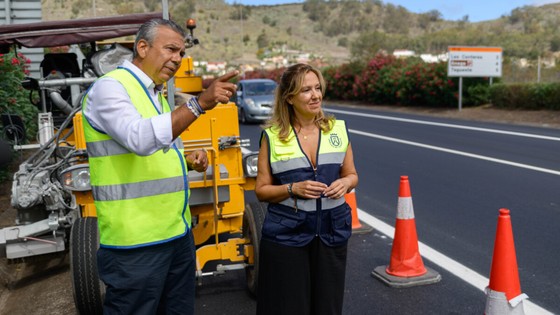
(343, 82)
(388, 80)
(426, 84)
(14, 99)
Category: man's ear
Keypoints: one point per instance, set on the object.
(142, 48)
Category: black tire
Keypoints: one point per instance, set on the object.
(253, 219)
(89, 291)
(242, 116)
(5, 154)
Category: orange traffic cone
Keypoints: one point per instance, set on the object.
(406, 267)
(357, 226)
(504, 284)
(351, 201)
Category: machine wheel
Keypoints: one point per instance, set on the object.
(5, 153)
(252, 227)
(242, 116)
(89, 291)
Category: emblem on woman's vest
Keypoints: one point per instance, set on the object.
(335, 141)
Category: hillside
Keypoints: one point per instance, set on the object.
(221, 38)
(334, 31)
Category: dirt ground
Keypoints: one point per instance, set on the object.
(45, 287)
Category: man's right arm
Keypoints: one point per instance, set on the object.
(110, 110)
(219, 91)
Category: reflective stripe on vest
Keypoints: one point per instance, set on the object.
(289, 164)
(140, 200)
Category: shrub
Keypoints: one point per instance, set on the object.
(369, 86)
(14, 99)
(342, 82)
(388, 80)
(526, 96)
(478, 94)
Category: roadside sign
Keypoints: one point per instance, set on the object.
(474, 62)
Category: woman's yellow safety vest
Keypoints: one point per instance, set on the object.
(295, 222)
(140, 200)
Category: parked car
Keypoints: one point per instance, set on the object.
(254, 99)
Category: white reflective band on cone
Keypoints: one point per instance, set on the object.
(405, 209)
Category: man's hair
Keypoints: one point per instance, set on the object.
(148, 31)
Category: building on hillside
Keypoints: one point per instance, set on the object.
(429, 58)
(216, 67)
(403, 53)
(275, 62)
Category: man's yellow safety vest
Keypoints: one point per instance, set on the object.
(140, 200)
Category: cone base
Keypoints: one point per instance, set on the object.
(429, 277)
(497, 304)
(362, 228)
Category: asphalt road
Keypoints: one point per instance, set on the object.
(459, 177)
(461, 173)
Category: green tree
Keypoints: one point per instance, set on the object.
(266, 19)
(246, 39)
(555, 43)
(316, 9)
(368, 45)
(396, 19)
(152, 5)
(262, 40)
(185, 9)
(14, 99)
(240, 12)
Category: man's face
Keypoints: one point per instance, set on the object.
(162, 59)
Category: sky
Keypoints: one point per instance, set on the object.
(477, 10)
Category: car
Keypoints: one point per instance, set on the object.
(254, 99)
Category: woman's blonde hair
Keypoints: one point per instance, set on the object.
(283, 115)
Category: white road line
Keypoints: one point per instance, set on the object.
(462, 272)
(425, 122)
(476, 156)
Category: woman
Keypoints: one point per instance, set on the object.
(305, 168)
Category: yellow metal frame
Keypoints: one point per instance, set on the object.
(220, 217)
(185, 79)
(215, 218)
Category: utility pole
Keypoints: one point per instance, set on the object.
(539, 69)
(171, 82)
(241, 23)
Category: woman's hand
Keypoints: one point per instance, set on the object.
(309, 189)
(337, 189)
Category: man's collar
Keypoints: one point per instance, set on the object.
(144, 78)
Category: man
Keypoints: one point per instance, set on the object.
(139, 179)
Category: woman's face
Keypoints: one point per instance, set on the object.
(308, 101)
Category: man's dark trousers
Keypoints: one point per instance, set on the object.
(156, 279)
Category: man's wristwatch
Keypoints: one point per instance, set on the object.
(290, 192)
